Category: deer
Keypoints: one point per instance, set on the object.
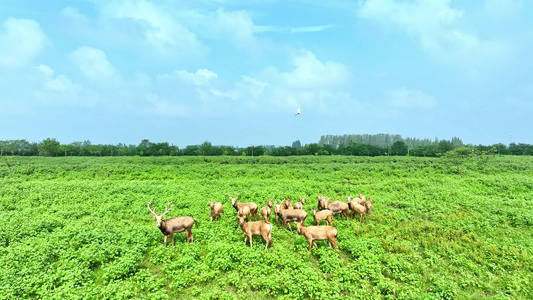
(318, 233)
(244, 212)
(265, 210)
(251, 205)
(172, 225)
(216, 209)
(286, 204)
(322, 202)
(299, 204)
(290, 215)
(325, 214)
(361, 200)
(277, 209)
(337, 207)
(251, 229)
(357, 208)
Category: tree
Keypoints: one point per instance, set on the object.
(297, 144)
(483, 158)
(399, 148)
(49, 147)
(445, 146)
(458, 156)
(206, 148)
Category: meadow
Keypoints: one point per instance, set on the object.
(79, 228)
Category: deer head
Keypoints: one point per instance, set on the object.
(159, 219)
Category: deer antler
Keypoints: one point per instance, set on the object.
(152, 211)
(169, 207)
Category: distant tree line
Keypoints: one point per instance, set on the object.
(359, 145)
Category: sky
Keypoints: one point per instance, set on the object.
(234, 72)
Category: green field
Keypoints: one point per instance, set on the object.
(78, 227)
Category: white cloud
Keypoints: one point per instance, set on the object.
(73, 14)
(93, 63)
(160, 28)
(253, 86)
(47, 71)
(437, 26)
(21, 40)
(236, 26)
(310, 72)
(406, 98)
(200, 77)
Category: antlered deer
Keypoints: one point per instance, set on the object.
(257, 228)
(216, 209)
(318, 233)
(172, 225)
(251, 205)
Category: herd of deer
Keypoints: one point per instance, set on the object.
(284, 211)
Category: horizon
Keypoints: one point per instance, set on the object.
(236, 72)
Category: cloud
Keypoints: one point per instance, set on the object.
(73, 14)
(437, 27)
(310, 72)
(405, 98)
(93, 63)
(310, 28)
(199, 78)
(157, 25)
(22, 40)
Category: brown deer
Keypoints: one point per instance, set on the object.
(251, 229)
(361, 200)
(318, 233)
(244, 212)
(265, 210)
(291, 215)
(172, 225)
(322, 202)
(337, 207)
(216, 209)
(286, 204)
(325, 214)
(357, 208)
(299, 204)
(251, 205)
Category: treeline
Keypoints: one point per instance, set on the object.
(382, 140)
(328, 145)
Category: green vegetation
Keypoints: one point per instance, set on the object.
(79, 227)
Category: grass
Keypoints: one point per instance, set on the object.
(78, 227)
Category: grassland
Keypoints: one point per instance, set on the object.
(79, 228)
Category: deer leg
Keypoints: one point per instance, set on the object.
(314, 243)
(172, 239)
(165, 240)
(250, 240)
(310, 244)
(334, 243)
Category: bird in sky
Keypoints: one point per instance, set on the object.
(298, 112)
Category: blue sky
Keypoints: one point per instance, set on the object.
(235, 72)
